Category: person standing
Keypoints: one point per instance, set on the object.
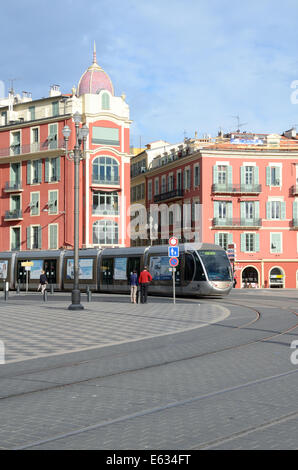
(133, 286)
(144, 279)
(43, 282)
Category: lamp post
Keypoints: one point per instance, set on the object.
(81, 136)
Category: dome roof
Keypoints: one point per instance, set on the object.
(94, 79)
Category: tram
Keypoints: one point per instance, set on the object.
(203, 270)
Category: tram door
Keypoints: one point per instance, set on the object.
(107, 268)
(50, 269)
(21, 273)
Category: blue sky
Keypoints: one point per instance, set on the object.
(184, 65)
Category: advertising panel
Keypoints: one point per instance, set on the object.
(85, 268)
(159, 268)
(120, 268)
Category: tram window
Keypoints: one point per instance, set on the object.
(133, 263)
(189, 267)
(50, 270)
(107, 270)
(199, 275)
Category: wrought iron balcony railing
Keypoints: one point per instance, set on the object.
(218, 222)
(237, 188)
(174, 194)
(13, 215)
(13, 186)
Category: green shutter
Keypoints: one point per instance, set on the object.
(215, 174)
(256, 175)
(39, 171)
(242, 210)
(257, 242)
(257, 209)
(35, 200)
(242, 242)
(230, 174)
(230, 210)
(283, 210)
(268, 176)
(28, 237)
(242, 175)
(28, 172)
(53, 237)
(47, 170)
(295, 210)
(276, 241)
(230, 238)
(216, 239)
(278, 175)
(268, 212)
(39, 237)
(216, 210)
(58, 168)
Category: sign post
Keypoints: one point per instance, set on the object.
(27, 265)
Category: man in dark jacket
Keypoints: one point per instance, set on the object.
(42, 282)
(144, 279)
(133, 286)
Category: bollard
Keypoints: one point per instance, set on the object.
(89, 295)
(18, 288)
(45, 295)
(52, 288)
(6, 288)
(87, 289)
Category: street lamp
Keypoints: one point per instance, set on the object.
(81, 137)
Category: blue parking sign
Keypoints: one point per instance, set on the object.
(173, 251)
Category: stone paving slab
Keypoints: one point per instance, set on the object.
(31, 329)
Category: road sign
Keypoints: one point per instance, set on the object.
(27, 263)
(173, 251)
(174, 262)
(173, 241)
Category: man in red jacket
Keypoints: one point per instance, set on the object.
(144, 279)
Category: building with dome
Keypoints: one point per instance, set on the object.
(37, 180)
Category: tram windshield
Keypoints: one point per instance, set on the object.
(217, 265)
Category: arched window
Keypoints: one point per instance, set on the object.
(105, 101)
(105, 170)
(105, 232)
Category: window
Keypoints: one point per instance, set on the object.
(179, 181)
(249, 242)
(248, 179)
(223, 209)
(34, 237)
(196, 175)
(105, 136)
(15, 143)
(105, 203)
(53, 139)
(275, 242)
(249, 210)
(105, 170)
(52, 169)
(150, 190)
(34, 139)
(53, 202)
(105, 101)
(222, 174)
(273, 175)
(187, 178)
(34, 204)
(31, 113)
(105, 232)
(53, 236)
(55, 108)
(223, 240)
(34, 171)
(15, 203)
(156, 186)
(170, 182)
(15, 238)
(15, 174)
(163, 184)
(276, 210)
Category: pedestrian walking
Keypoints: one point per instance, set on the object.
(133, 280)
(42, 282)
(144, 279)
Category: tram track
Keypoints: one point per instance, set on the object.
(55, 385)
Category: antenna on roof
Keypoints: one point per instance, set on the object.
(238, 123)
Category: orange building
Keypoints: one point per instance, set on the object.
(37, 180)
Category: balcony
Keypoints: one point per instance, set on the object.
(295, 223)
(236, 188)
(237, 223)
(109, 182)
(13, 187)
(13, 215)
(294, 190)
(37, 147)
(174, 194)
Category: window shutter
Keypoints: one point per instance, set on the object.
(295, 209)
(230, 210)
(242, 241)
(256, 175)
(216, 239)
(28, 172)
(268, 207)
(283, 210)
(230, 238)
(257, 242)
(242, 210)
(278, 175)
(215, 174)
(230, 174)
(257, 210)
(216, 210)
(29, 237)
(47, 170)
(268, 176)
(39, 237)
(39, 169)
(242, 175)
(58, 168)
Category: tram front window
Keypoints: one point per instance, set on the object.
(217, 265)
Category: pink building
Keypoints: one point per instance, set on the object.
(247, 186)
(37, 180)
